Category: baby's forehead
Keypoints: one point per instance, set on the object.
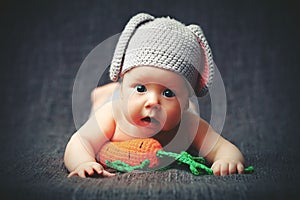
(149, 74)
(153, 75)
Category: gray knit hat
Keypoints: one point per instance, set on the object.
(164, 43)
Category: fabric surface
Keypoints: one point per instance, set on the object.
(43, 43)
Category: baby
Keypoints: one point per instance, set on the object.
(161, 64)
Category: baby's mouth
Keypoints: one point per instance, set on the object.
(149, 120)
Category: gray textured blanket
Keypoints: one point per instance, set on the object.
(255, 45)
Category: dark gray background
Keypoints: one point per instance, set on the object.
(43, 43)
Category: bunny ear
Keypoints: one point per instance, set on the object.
(206, 75)
(117, 61)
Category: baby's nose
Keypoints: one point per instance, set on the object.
(152, 101)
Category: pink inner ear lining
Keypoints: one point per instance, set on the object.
(205, 73)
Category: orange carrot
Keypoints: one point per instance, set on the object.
(132, 152)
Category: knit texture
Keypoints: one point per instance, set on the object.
(131, 152)
(165, 43)
(122, 44)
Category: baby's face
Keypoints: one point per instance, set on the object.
(153, 99)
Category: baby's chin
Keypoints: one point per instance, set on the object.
(147, 131)
(138, 131)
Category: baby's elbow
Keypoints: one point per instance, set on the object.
(94, 94)
(67, 154)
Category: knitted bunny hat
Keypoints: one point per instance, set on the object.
(164, 43)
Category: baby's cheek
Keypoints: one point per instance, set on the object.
(129, 109)
(133, 110)
(132, 101)
(173, 118)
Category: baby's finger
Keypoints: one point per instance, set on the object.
(98, 168)
(232, 168)
(216, 169)
(81, 173)
(89, 170)
(73, 173)
(240, 168)
(107, 174)
(224, 169)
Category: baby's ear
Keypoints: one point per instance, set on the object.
(129, 30)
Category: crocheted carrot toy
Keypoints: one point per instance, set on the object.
(144, 153)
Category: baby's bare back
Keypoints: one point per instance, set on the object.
(101, 94)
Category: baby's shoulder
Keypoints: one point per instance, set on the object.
(190, 116)
(189, 122)
(104, 110)
(102, 94)
(104, 117)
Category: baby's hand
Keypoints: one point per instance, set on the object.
(227, 166)
(90, 168)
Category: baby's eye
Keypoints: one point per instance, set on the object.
(140, 88)
(168, 93)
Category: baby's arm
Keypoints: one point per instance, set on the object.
(80, 152)
(79, 160)
(226, 158)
